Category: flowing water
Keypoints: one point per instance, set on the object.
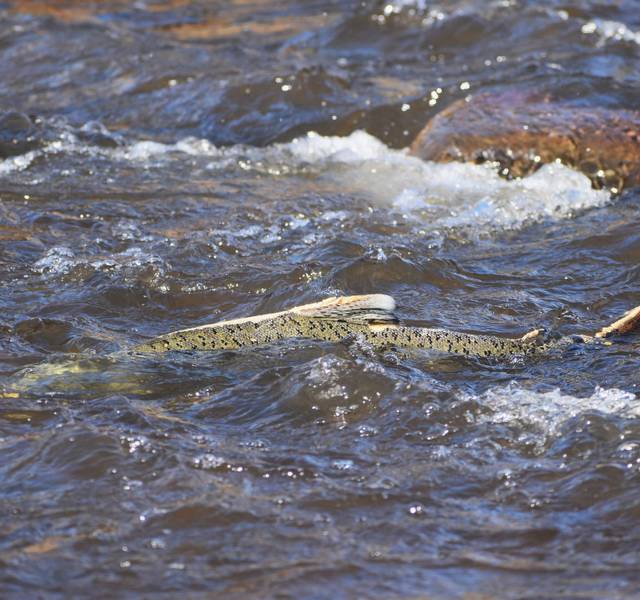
(184, 162)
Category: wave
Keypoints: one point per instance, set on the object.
(544, 414)
(436, 195)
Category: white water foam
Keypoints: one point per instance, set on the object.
(448, 195)
(144, 150)
(60, 260)
(434, 195)
(610, 30)
(57, 260)
(546, 412)
(17, 163)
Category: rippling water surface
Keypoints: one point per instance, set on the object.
(183, 162)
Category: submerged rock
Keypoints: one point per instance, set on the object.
(17, 134)
(521, 133)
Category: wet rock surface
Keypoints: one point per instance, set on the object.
(521, 133)
(18, 134)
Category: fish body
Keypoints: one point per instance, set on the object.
(335, 319)
(370, 318)
(245, 334)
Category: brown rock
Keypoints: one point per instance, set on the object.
(521, 133)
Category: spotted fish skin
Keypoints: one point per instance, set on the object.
(336, 319)
(332, 319)
(466, 344)
(228, 336)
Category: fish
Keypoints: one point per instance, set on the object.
(372, 318)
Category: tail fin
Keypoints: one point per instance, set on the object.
(370, 309)
(49, 372)
(628, 322)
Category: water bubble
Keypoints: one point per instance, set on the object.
(343, 464)
(57, 260)
(208, 461)
(416, 510)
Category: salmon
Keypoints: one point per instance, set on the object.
(370, 317)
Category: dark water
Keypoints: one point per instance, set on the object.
(165, 178)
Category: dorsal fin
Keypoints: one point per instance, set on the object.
(368, 309)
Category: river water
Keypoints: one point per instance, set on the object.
(186, 162)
